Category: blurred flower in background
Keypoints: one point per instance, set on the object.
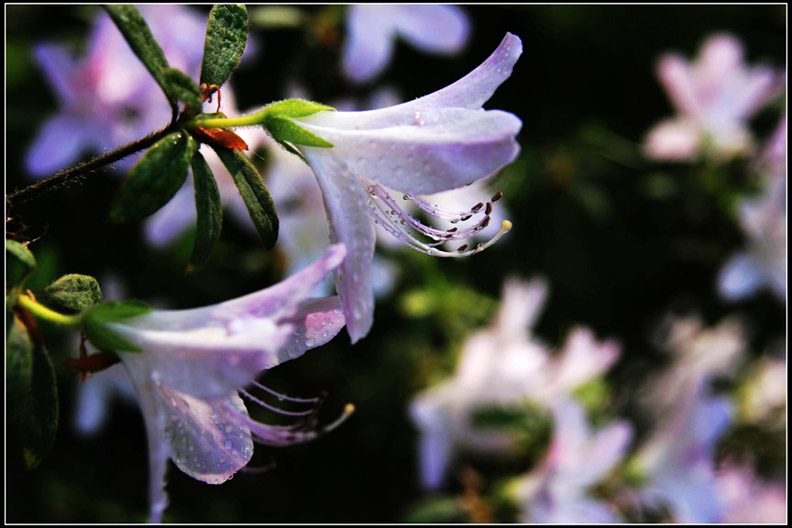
(577, 458)
(372, 31)
(714, 97)
(748, 498)
(763, 220)
(502, 367)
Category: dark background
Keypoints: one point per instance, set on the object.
(622, 240)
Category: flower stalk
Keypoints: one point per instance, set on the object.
(42, 312)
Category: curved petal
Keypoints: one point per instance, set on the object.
(210, 352)
(173, 219)
(206, 443)
(317, 321)
(674, 140)
(369, 41)
(347, 208)
(59, 144)
(433, 28)
(739, 277)
(675, 75)
(434, 151)
(58, 67)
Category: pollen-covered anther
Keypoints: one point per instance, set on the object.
(387, 213)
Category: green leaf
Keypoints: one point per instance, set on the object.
(226, 36)
(20, 263)
(210, 213)
(254, 192)
(95, 324)
(183, 88)
(139, 37)
(284, 129)
(73, 291)
(32, 394)
(295, 108)
(154, 179)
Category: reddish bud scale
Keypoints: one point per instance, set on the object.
(92, 363)
(219, 137)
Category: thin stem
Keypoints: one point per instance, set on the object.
(68, 175)
(43, 312)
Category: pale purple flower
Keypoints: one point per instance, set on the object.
(107, 98)
(501, 366)
(194, 362)
(372, 30)
(577, 458)
(442, 141)
(763, 263)
(748, 499)
(714, 96)
(678, 460)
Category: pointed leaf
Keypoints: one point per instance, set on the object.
(95, 324)
(254, 192)
(32, 392)
(139, 37)
(73, 291)
(284, 129)
(210, 213)
(226, 36)
(20, 263)
(183, 88)
(296, 108)
(154, 179)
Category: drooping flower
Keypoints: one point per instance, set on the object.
(714, 97)
(194, 364)
(577, 458)
(438, 142)
(499, 367)
(372, 30)
(763, 219)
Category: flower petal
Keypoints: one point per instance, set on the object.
(673, 139)
(739, 277)
(206, 443)
(433, 28)
(59, 144)
(317, 321)
(675, 75)
(58, 67)
(434, 150)
(347, 207)
(369, 42)
(210, 352)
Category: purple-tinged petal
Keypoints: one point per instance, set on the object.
(434, 151)
(205, 443)
(675, 75)
(209, 352)
(720, 55)
(674, 140)
(58, 145)
(58, 67)
(739, 277)
(173, 219)
(369, 42)
(761, 85)
(317, 321)
(433, 28)
(347, 207)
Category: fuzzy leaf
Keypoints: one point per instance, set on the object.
(96, 317)
(226, 36)
(73, 291)
(296, 108)
(154, 179)
(284, 129)
(32, 392)
(139, 37)
(254, 192)
(183, 88)
(20, 263)
(210, 213)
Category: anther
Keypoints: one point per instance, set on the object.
(475, 208)
(488, 210)
(497, 196)
(463, 247)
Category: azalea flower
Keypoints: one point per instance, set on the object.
(749, 499)
(678, 460)
(107, 98)
(194, 365)
(372, 29)
(499, 367)
(438, 142)
(763, 263)
(714, 97)
(578, 457)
